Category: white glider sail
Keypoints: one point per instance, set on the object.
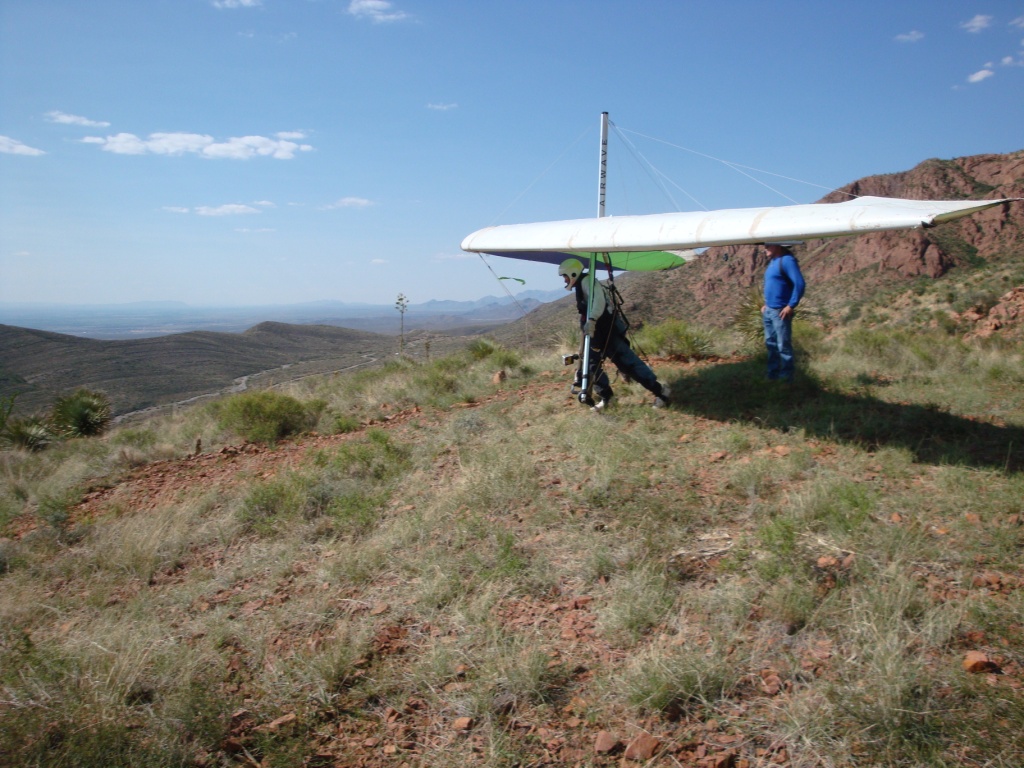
(666, 240)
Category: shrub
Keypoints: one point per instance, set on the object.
(265, 416)
(342, 422)
(507, 358)
(674, 337)
(479, 349)
(83, 413)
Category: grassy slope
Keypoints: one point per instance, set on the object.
(487, 574)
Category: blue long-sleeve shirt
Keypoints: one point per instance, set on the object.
(783, 283)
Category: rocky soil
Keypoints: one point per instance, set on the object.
(399, 734)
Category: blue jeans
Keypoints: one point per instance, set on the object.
(778, 338)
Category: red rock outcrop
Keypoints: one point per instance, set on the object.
(710, 289)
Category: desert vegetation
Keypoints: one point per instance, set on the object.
(427, 563)
(82, 413)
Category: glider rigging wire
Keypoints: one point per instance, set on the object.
(539, 177)
(738, 167)
(508, 293)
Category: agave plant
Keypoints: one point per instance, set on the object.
(83, 413)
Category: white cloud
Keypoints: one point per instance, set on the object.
(235, 148)
(231, 209)
(442, 107)
(348, 202)
(977, 24)
(378, 11)
(236, 3)
(167, 143)
(248, 230)
(265, 203)
(981, 74)
(11, 146)
(378, 261)
(56, 116)
(910, 37)
(1018, 22)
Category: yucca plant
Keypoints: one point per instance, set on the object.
(83, 413)
(31, 433)
(479, 349)
(748, 323)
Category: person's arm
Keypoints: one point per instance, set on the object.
(791, 269)
(598, 305)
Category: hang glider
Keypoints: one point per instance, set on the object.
(666, 240)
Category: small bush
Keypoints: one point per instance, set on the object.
(55, 510)
(265, 416)
(272, 501)
(674, 337)
(342, 423)
(377, 458)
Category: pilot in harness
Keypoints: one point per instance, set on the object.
(605, 323)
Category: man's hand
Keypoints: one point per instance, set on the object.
(785, 312)
(589, 327)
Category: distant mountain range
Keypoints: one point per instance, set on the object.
(141, 320)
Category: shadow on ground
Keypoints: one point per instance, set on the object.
(738, 392)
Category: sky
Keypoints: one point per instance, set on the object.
(247, 152)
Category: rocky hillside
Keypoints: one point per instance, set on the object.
(843, 270)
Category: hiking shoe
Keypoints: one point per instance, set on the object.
(663, 400)
(601, 404)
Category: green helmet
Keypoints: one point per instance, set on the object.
(571, 268)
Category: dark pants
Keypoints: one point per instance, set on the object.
(629, 364)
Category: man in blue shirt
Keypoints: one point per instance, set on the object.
(783, 289)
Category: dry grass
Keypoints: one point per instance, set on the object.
(489, 574)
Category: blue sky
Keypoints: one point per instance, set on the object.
(238, 152)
